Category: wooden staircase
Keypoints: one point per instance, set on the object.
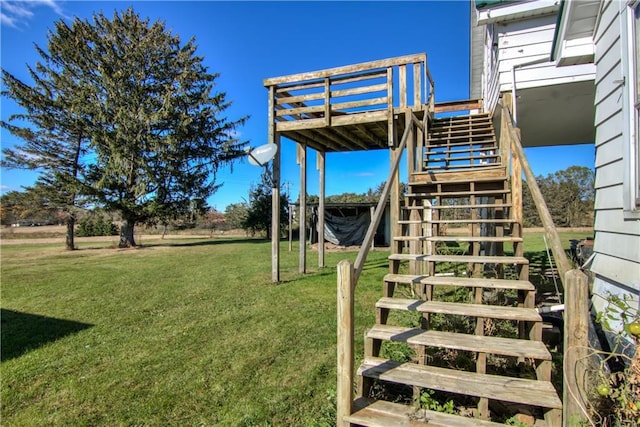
(456, 321)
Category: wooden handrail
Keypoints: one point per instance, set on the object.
(355, 68)
(559, 254)
(375, 221)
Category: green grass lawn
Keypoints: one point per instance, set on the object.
(188, 332)
(178, 332)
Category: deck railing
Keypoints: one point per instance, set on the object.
(360, 93)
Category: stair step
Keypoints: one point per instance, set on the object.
(509, 389)
(381, 413)
(459, 193)
(460, 140)
(463, 309)
(438, 143)
(461, 258)
(469, 282)
(466, 165)
(464, 150)
(477, 206)
(482, 344)
(410, 238)
(474, 221)
(443, 178)
(490, 239)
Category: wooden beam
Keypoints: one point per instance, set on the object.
(302, 159)
(348, 69)
(320, 158)
(468, 104)
(274, 138)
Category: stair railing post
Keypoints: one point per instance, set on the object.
(345, 342)
(576, 341)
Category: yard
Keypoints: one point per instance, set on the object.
(182, 331)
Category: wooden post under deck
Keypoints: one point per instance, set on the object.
(274, 138)
(302, 160)
(321, 168)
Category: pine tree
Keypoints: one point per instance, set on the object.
(140, 110)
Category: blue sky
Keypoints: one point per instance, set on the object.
(247, 42)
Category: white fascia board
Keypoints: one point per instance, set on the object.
(517, 11)
(564, 49)
(575, 51)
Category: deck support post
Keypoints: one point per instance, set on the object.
(274, 138)
(346, 285)
(302, 161)
(320, 159)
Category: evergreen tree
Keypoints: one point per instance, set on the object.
(140, 111)
(260, 201)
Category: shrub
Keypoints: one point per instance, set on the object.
(96, 227)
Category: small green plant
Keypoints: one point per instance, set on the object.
(616, 399)
(514, 421)
(427, 401)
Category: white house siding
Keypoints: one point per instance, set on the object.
(617, 241)
(531, 40)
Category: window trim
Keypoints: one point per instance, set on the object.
(631, 109)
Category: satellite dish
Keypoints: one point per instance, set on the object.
(261, 155)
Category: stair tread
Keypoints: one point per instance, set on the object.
(464, 309)
(470, 220)
(509, 389)
(472, 239)
(381, 413)
(484, 344)
(478, 206)
(459, 193)
(459, 181)
(480, 259)
(521, 285)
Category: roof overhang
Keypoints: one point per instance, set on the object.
(573, 41)
(511, 11)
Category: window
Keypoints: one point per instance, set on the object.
(636, 101)
(631, 69)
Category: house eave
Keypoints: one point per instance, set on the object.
(517, 11)
(573, 40)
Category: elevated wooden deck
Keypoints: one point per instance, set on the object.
(355, 107)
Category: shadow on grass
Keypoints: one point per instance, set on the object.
(202, 242)
(23, 332)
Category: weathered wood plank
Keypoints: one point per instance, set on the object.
(362, 103)
(463, 309)
(463, 105)
(461, 281)
(384, 414)
(497, 239)
(495, 173)
(480, 259)
(359, 90)
(517, 390)
(355, 68)
(484, 344)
